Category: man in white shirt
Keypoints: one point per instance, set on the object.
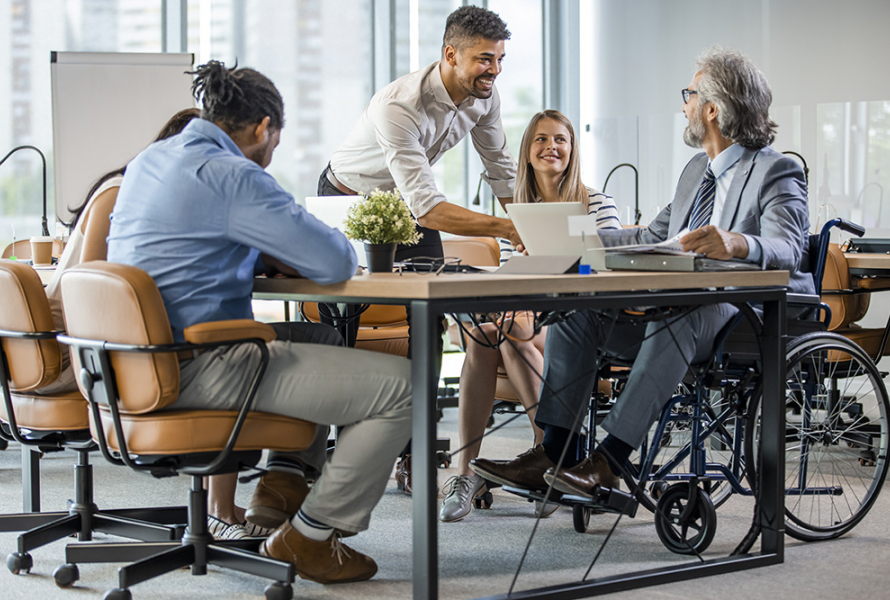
(413, 121)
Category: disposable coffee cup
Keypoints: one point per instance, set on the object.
(42, 250)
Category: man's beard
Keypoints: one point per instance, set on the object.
(470, 87)
(694, 133)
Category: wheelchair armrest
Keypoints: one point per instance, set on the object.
(224, 331)
(803, 300)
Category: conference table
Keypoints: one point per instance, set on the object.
(430, 296)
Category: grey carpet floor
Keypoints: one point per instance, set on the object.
(478, 556)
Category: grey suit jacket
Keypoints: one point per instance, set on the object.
(766, 199)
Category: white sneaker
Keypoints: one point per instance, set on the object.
(461, 491)
(220, 530)
(252, 530)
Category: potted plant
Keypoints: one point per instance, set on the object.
(382, 221)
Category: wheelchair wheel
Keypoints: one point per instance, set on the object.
(836, 412)
(580, 518)
(685, 529)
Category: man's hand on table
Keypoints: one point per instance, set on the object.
(714, 242)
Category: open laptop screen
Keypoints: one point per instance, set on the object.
(332, 210)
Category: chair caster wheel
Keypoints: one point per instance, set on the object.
(66, 575)
(279, 591)
(483, 500)
(443, 459)
(580, 518)
(118, 594)
(19, 563)
(657, 489)
(3, 444)
(867, 458)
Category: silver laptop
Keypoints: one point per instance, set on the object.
(332, 210)
(544, 229)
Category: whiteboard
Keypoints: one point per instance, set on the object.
(107, 107)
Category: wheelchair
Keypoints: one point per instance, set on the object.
(705, 446)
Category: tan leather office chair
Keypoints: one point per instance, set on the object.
(129, 372)
(849, 299)
(21, 249)
(383, 328)
(30, 359)
(480, 252)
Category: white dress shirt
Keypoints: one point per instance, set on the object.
(724, 166)
(408, 126)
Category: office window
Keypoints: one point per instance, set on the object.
(521, 83)
(29, 31)
(851, 173)
(420, 25)
(317, 53)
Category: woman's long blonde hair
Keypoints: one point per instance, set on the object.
(571, 189)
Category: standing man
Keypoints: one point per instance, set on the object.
(742, 200)
(201, 216)
(413, 121)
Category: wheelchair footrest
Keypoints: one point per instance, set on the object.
(604, 500)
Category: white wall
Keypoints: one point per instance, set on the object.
(814, 53)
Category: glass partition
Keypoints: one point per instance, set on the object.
(325, 85)
(29, 31)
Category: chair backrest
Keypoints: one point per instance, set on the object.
(33, 364)
(21, 249)
(377, 315)
(845, 308)
(95, 223)
(121, 304)
(474, 251)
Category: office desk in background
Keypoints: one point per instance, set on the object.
(868, 265)
(431, 296)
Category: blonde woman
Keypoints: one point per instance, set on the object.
(549, 171)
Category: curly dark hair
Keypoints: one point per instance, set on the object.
(469, 23)
(236, 97)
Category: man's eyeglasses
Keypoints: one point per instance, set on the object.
(687, 93)
(437, 266)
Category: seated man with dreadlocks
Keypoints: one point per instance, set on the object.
(199, 213)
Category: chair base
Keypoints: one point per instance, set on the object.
(83, 518)
(196, 550)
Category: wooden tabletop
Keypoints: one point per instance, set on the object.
(479, 285)
(859, 260)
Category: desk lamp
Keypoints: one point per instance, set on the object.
(43, 160)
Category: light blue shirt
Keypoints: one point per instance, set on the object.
(723, 166)
(195, 214)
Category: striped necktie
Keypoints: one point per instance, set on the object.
(704, 201)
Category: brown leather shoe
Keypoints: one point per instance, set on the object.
(403, 474)
(277, 497)
(525, 471)
(329, 561)
(585, 477)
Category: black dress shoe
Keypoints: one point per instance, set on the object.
(524, 471)
(584, 478)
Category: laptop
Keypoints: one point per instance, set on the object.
(332, 211)
(544, 229)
